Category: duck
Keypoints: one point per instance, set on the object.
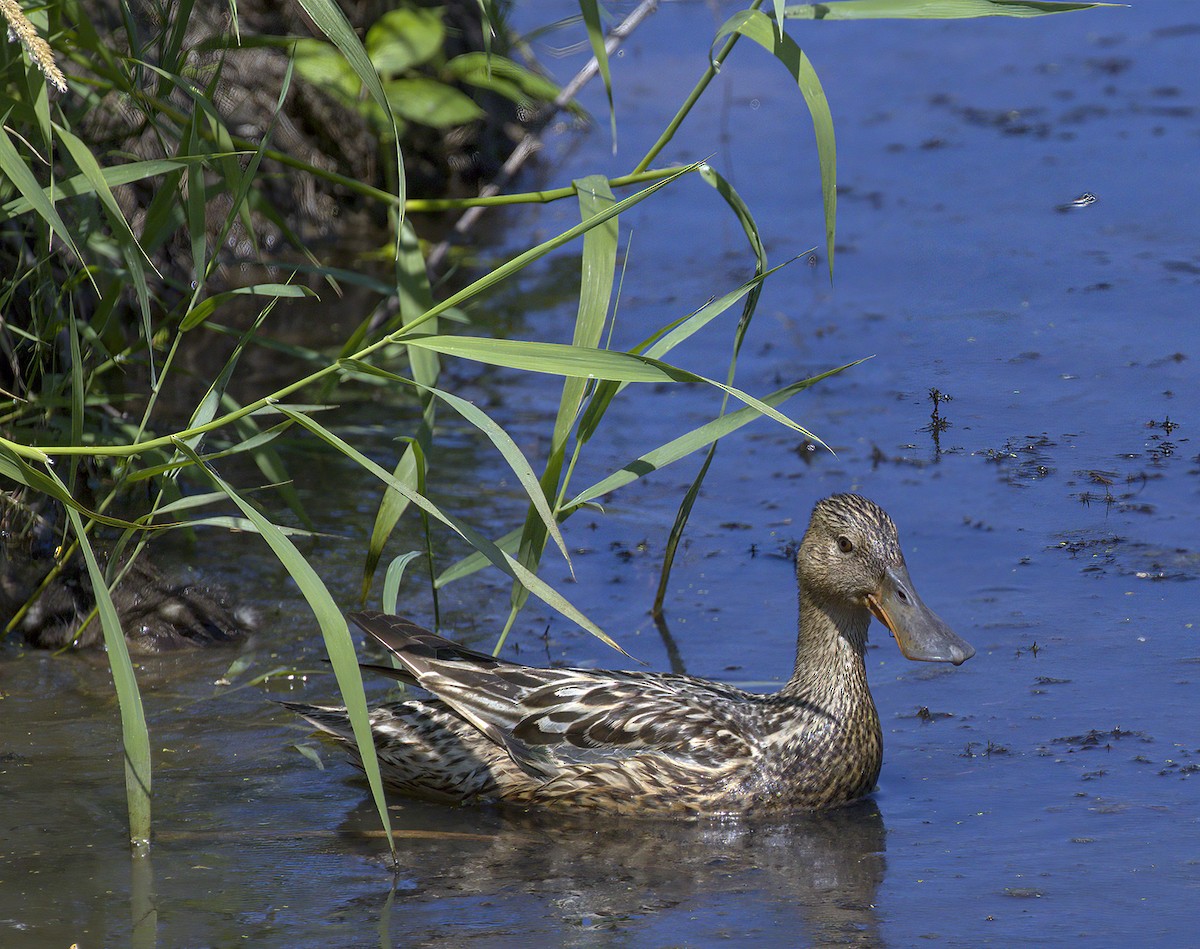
(492, 731)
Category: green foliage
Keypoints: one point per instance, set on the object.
(405, 46)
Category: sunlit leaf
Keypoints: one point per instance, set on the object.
(431, 102)
(404, 38)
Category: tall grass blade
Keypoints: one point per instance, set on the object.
(682, 516)
(16, 171)
(135, 736)
(415, 298)
(598, 266)
(595, 31)
(759, 27)
(338, 642)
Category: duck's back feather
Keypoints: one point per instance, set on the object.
(545, 717)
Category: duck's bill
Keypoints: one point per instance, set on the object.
(920, 633)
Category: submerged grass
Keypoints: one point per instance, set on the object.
(113, 262)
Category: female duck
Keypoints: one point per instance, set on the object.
(658, 743)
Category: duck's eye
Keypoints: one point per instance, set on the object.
(845, 545)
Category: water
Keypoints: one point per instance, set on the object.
(1049, 797)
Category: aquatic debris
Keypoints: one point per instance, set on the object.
(1084, 200)
(1039, 681)
(1099, 739)
(991, 748)
(925, 715)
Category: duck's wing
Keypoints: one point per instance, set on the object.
(585, 716)
(415, 646)
(572, 715)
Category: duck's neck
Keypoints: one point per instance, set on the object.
(829, 649)
(836, 746)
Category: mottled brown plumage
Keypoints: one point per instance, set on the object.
(659, 743)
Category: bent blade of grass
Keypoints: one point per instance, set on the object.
(16, 171)
(114, 176)
(513, 456)
(930, 9)
(564, 360)
(14, 467)
(86, 162)
(414, 296)
(759, 27)
(206, 307)
(135, 736)
(740, 209)
(598, 267)
(499, 558)
(696, 439)
(591, 19)
(394, 577)
(336, 634)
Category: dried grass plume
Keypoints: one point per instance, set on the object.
(39, 50)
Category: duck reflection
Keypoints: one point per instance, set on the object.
(810, 878)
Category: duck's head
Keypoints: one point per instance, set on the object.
(850, 557)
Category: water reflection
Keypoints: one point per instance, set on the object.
(813, 876)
